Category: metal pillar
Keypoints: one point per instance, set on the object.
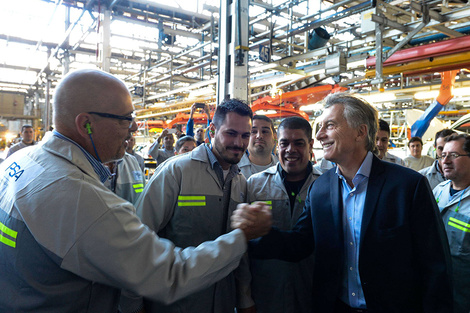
(106, 39)
(66, 61)
(233, 50)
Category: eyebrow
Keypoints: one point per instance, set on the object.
(262, 127)
(295, 140)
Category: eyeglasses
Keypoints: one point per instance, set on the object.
(452, 155)
(130, 118)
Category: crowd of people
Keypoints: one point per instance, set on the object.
(240, 219)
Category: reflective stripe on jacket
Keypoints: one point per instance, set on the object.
(455, 212)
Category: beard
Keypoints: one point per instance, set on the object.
(227, 155)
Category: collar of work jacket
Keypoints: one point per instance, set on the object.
(72, 152)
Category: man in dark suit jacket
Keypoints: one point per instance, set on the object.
(374, 228)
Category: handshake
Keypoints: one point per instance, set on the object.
(254, 220)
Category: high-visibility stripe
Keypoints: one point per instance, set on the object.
(459, 227)
(7, 241)
(459, 222)
(139, 190)
(191, 197)
(138, 185)
(8, 231)
(191, 203)
(268, 202)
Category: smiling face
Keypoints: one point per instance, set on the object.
(295, 150)
(341, 143)
(230, 139)
(262, 139)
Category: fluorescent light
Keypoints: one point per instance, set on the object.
(378, 97)
(464, 91)
(312, 107)
(265, 112)
(424, 95)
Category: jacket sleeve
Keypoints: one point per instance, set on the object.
(118, 250)
(153, 150)
(190, 127)
(432, 250)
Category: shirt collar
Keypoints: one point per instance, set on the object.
(213, 160)
(284, 173)
(101, 170)
(364, 169)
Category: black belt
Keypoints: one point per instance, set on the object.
(342, 307)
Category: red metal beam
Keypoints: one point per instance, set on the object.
(436, 49)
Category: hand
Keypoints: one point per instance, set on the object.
(162, 135)
(254, 220)
(193, 109)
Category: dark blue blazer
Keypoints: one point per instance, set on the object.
(404, 259)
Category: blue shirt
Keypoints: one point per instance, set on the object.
(101, 170)
(353, 209)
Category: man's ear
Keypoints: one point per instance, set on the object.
(212, 130)
(362, 132)
(84, 125)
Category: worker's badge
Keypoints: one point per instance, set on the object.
(137, 175)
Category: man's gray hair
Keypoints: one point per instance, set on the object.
(357, 112)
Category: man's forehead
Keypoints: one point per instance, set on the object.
(454, 145)
(233, 119)
(292, 134)
(333, 112)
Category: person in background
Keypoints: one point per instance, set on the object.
(68, 244)
(373, 226)
(27, 139)
(383, 137)
(130, 150)
(185, 144)
(190, 198)
(190, 125)
(160, 155)
(260, 149)
(434, 172)
(416, 161)
(279, 286)
(453, 199)
(127, 179)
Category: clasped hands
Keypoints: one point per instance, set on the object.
(254, 219)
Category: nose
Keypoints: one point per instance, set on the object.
(290, 147)
(320, 134)
(133, 127)
(238, 141)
